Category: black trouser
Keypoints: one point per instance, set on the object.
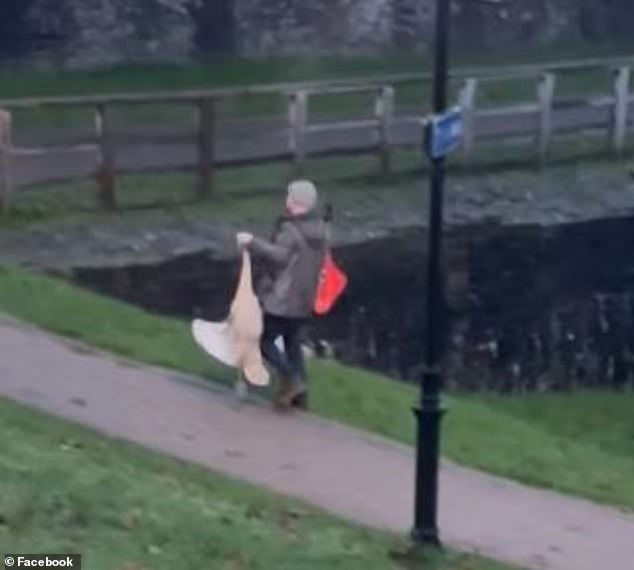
(290, 363)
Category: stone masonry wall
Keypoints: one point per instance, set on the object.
(300, 26)
(85, 33)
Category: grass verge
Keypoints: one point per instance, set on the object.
(579, 444)
(18, 83)
(65, 489)
(353, 185)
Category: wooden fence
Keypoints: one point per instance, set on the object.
(296, 138)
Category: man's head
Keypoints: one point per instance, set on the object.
(301, 197)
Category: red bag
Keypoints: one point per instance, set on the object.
(332, 283)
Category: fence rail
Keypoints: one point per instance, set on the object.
(294, 138)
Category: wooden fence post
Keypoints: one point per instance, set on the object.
(545, 95)
(106, 165)
(384, 111)
(467, 100)
(621, 89)
(298, 122)
(206, 147)
(5, 163)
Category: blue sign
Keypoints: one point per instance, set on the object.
(444, 133)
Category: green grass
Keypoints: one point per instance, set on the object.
(15, 83)
(244, 195)
(18, 83)
(251, 195)
(228, 73)
(231, 72)
(546, 441)
(65, 489)
(585, 421)
(493, 435)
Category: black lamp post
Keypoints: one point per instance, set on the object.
(429, 410)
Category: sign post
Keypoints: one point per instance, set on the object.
(442, 134)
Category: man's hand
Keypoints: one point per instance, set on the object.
(244, 239)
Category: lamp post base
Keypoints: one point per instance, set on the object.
(426, 537)
(429, 416)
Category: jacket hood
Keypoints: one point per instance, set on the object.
(311, 226)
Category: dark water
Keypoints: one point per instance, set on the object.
(530, 308)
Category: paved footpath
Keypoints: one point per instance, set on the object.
(356, 476)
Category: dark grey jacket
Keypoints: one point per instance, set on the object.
(294, 258)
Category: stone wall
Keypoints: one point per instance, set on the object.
(74, 33)
(316, 26)
(86, 33)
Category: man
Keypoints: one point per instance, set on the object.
(294, 259)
